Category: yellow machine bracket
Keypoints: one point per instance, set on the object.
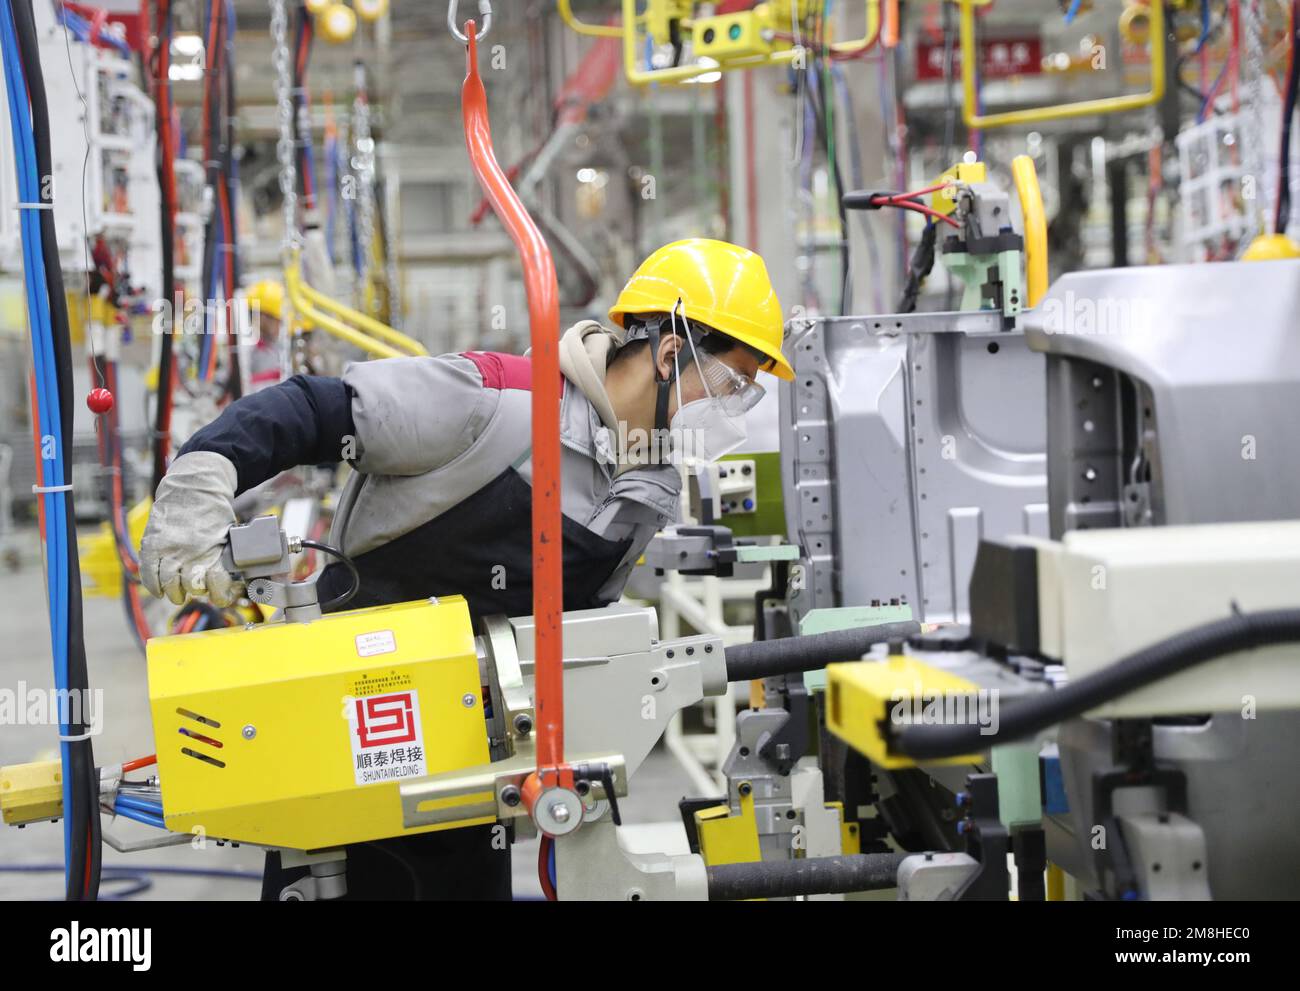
(1037, 115)
(739, 40)
(865, 698)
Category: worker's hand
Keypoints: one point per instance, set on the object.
(180, 554)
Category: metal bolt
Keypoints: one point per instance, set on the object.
(559, 812)
(1090, 474)
(510, 795)
(468, 700)
(249, 731)
(523, 724)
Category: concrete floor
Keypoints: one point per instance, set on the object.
(117, 666)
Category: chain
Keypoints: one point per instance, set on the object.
(284, 113)
(363, 166)
(390, 273)
(1250, 121)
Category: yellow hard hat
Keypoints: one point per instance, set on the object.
(1271, 247)
(722, 285)
(268, 297)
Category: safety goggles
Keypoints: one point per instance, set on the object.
(736, 391)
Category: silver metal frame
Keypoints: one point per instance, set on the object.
(908, 437)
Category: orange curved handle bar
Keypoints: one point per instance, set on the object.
(544, 323)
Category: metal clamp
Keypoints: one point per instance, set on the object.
(485, 12)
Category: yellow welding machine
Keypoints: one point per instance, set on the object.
(298, 735)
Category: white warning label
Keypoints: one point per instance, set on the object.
(387, 737)
(379, 642)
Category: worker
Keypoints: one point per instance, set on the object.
(442, 448)
(265, 360)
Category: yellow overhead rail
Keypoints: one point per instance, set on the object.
(372, 336)
(744, 39)
(1061, 111)
(592, 30)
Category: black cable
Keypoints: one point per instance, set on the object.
(814, 92)
(949, 124)
(1021, 718)
(949, 104)
(83, 877)
(818, 106)
(339, 600)
(162, 127)
(921, 266)
(749, 661)
(807, 876)
(1283, 217)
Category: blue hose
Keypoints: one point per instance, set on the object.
(149, 813)
(80, 29)
(49, 419)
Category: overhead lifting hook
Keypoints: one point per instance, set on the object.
(484, 11)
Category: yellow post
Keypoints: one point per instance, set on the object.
(1031, 207)
(1055, 883)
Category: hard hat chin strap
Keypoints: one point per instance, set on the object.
(654, 334)
(663, 384)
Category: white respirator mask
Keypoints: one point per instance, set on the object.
(709, 428)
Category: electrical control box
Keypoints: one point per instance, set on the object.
(298, 735)
(730, 36)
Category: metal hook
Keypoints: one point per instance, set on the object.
(485, 12)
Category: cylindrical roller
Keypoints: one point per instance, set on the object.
(765, 658)
(810, 876)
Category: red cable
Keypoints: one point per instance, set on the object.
(213, 43)
(139, 762)
(1234, 69)
(921, 192)
(544, 867)
(919, 208)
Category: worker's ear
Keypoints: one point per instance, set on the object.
(669, 345)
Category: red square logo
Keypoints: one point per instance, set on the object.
(383, 720)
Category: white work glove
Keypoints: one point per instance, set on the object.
(193, 508)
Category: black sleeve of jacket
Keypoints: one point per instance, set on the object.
(302, 421)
